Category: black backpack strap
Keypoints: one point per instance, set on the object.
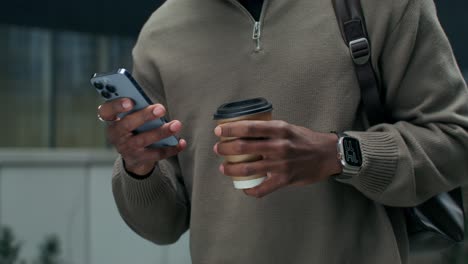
(443, 213)
(353, 29)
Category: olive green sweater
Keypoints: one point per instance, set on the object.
(202, 54)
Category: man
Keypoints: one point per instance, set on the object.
(192, 56)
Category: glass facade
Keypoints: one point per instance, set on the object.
(44, 85)
(56, 203)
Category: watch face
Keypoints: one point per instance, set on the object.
(352, 152)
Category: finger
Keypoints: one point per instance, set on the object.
(149, 137)
(138, 118)
(254, 129)
(110, 109)
(268, 147)
(261, 167)
(152, 155)
(118, 140)
(164, 153)
(270, 184)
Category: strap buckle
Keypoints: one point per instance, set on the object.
(360, 51)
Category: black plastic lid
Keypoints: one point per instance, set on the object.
(242, 108)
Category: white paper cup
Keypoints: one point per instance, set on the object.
(251, 109)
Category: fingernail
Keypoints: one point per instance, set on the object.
(157, 111)
(174, 126)
(221, 168)
(215, 148)
(218, 131)
(126, 104)
(182, 143)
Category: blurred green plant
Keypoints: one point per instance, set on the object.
(10, 249)
(49, 251)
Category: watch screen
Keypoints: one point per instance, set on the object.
(352, 151)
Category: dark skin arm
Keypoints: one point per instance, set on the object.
(292, 155)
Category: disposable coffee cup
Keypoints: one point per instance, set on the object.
(250, 109)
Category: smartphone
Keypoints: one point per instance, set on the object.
(121, 84)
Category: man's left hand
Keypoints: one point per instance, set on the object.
(292, 155)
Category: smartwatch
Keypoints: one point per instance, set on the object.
(349, 155)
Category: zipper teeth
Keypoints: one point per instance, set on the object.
(260, 24)
(262, 12)
(257, 24)
(246, 12)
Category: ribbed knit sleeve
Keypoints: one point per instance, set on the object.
(380, 154)
(154, 207)
(426, 151)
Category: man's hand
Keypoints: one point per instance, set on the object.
(138, 159)
(292, 155)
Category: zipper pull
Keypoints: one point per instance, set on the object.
(256, 35)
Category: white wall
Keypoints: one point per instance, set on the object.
(68, 193)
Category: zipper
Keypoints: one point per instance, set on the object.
(257, 25)
(257, 33)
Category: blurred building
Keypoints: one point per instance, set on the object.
(55, 163)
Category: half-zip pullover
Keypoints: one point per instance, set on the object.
(194, 55)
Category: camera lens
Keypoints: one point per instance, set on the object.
(98, 85)
(110, 88)
(106, 94)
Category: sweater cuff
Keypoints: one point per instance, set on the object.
(143, 191)
(379, 162)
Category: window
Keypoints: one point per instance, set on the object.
(47, 100)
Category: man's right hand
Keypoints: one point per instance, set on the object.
(138, 159)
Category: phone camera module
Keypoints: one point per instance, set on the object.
(110, 88)
(106, 94)
(98, 85)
